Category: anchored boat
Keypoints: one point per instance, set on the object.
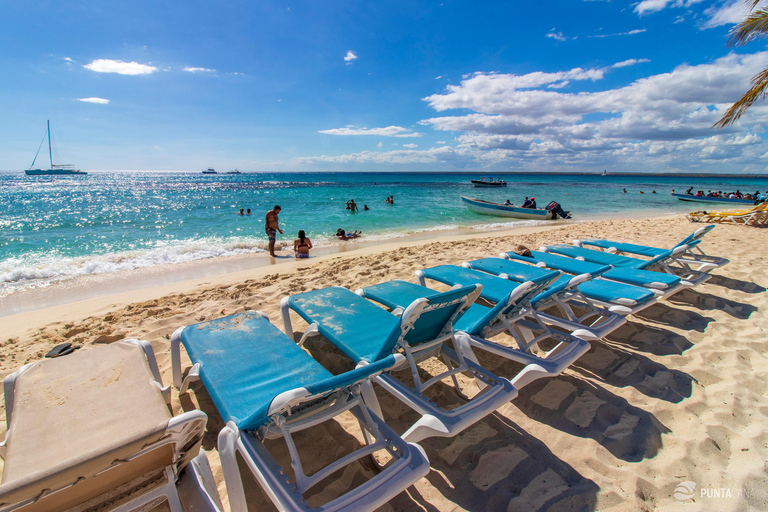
(712, 200)
(552, 211)
(54, 170)
(489, 181)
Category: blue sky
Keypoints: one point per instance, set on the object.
(566, 85)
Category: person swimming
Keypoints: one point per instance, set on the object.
(343, 235)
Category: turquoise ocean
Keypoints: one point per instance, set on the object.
(54, 228)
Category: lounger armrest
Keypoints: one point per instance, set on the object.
(9, 384)
(576, 281)
(361, 373)
(602, 270)
(150, 354)
(679, 250)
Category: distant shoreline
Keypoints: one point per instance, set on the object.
(473, 173)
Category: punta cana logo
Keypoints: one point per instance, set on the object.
(685, 491)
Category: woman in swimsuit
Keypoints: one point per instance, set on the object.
(302, 245)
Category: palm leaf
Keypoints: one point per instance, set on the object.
(756, 92)
(754, 27)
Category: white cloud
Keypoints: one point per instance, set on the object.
(630, 33)
(350, 57)
(389, 131)
(662, 122)
(100, 101)
(380, 145)
(667, 114)
(199, 70)
(410, 146)
(729, 13)
(67, 59)
(629, 62)
(651, 6)
(120, 67)
(558, 36)
(433, 156)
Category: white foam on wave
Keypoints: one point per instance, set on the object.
(43, 269)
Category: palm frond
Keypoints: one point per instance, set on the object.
(756, 92)
(754, 27)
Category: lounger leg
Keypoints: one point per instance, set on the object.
(228, 454)
(370, 399)
(464, 349)
(176, 357)
(285, 311)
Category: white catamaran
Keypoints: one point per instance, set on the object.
(57, 170)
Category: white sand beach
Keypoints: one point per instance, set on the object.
(677, 394)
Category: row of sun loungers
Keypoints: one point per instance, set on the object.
(92, 429)
(756, 216)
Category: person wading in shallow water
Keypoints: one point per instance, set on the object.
(272, 226)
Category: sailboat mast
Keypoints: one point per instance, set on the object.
(50, 154)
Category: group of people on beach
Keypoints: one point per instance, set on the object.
(757, 196)
(302, 244)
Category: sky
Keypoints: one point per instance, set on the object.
(450, 85)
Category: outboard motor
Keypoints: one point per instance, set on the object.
(558, 211)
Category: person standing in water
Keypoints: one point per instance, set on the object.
(272, 226)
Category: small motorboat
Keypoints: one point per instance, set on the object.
(489, 181)
(552, 211)
(712, 200)
(210, 171)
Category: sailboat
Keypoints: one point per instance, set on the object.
(55, 170)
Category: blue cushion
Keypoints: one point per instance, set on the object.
(604, 258)
(357, 327)
(394, 294)
(518, 272)
(494, 289)
(245, 362)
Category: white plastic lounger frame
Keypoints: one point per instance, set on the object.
(677, 264)
(660, 290)
(552, 362)
(692, 254)
(434, 421)
(624, 307)
(595, 324)
(296, 410)
(180, 433)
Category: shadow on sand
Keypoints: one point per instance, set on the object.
(735, 284)
(663, 314)
(618, 367)
(496, 465)
(709, 302)
(584, 409)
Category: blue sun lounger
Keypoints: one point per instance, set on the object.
(367, 333)
(660, 283)
(620, 298)
(480, 322)
(688, 250)
(265, 386)
(664, 262)
(595, 324)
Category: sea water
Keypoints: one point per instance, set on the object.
(53, 228)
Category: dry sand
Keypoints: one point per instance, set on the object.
(676, 395)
